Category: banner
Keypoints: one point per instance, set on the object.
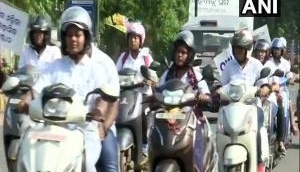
(13, 27)
(262, 33)
(223, 58)
(214, 7)
(117, 21)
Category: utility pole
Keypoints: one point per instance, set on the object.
(196, 8)
(98, 23)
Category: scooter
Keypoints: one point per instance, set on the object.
(298, 109)
(287, 118)
(177, 140)
(129, 121)
(15, 122)
(237, 126)
(53, 143)
(269, 124)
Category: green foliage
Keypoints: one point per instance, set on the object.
(162, 20)
(288, 25)
(50, 7)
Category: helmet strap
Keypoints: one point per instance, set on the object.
(243, 62)
(39, 48)
(276, 59)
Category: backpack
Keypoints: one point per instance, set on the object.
(192, 78)
(126, 55)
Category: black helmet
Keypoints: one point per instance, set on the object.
(242, 39)
(262, 45)
(185, 37)
(41, 23)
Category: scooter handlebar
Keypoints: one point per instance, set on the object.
(90, 117)
(130, 87)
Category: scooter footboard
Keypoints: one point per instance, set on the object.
(234, 154)
(168, 165)
(125, 138)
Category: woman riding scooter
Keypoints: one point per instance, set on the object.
(181, 68)
(248, 69)
(202, 154)
(278, 62)
(41, 52)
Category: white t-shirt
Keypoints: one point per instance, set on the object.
(134, 63)
(250, 72)
(283, 65)
(202, 85)
(108, 66)
(83, 77)
(30, 57)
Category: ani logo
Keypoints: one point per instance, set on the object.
(260, 8)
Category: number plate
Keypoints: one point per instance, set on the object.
(47, 136)
(14, 101)
(169, 115)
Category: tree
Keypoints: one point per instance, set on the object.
(50, 7)
(162, 20)
(288, 25)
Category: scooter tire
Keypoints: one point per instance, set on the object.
(126, 162)
(168, 165)
(235, 168)
(270, 165)
(12, 165)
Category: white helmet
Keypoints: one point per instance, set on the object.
(137, 28)
(78, 16)
(283, 41)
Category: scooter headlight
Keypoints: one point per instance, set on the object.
(126, 80)
(56, 109)
(236, 92)
(172, 97)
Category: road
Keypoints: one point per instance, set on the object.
(290, 163)
(2, 161)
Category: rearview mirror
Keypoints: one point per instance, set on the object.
(149, 74)
(154, 65)
(208, 73)
(10, 84)
(197, 62)
(167, 64)
(278, 73)
(265, 72)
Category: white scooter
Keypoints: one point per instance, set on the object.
(53, 143)
(237, 127)
(14, 122)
